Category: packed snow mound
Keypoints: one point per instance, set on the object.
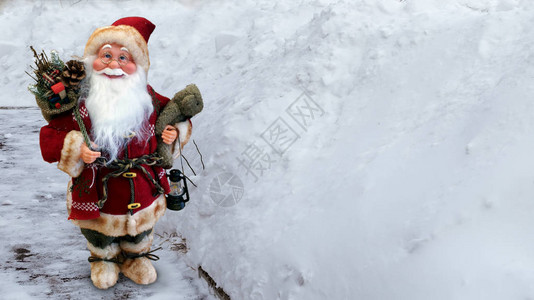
(353, 149)
(407, 182)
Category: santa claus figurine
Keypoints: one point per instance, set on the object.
(107, 145)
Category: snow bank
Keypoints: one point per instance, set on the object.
(380, 149)
(411, 185)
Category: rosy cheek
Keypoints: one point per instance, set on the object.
(130, 68)
(98, 65)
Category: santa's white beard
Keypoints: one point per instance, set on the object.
(117, 107)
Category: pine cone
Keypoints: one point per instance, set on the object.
(73, 73)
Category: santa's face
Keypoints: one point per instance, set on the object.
(118, 102)
(115, 57)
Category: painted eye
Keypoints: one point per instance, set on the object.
(107, 55)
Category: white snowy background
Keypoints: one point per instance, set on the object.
(412, 177)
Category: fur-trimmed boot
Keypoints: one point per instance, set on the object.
(104, 267)
(136, 264)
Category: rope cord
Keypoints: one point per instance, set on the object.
(182, 162)
(181, 150)
(82, 127)
(113, 260)
(148, 255)
(201, 160)
(124, 165)
(125, 255)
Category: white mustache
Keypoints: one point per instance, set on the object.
(111, 72)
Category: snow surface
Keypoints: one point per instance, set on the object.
(43, 255)
(410, 177)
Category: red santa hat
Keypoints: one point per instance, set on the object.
(130, 32)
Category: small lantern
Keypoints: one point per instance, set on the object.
(179, 194)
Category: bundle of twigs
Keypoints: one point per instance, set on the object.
(56, 85)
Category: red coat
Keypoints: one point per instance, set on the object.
(60, 141)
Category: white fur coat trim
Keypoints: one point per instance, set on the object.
(121, 225)
(184, 134)
(70, 161)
